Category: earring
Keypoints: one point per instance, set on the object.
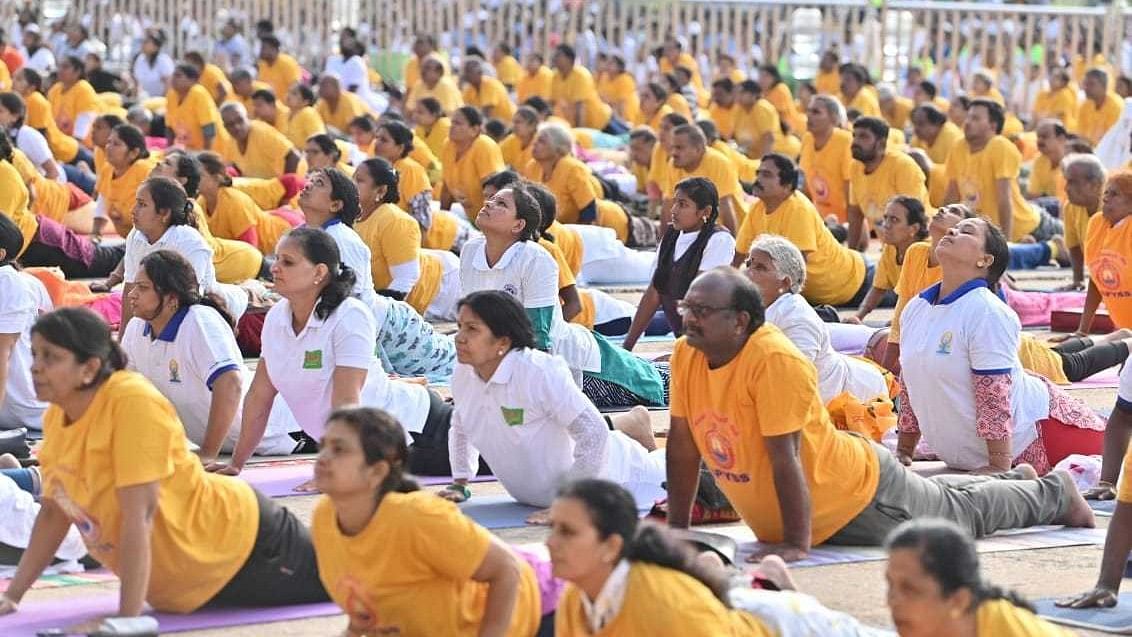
(499, 353)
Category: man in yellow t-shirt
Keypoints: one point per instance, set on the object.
(826, 159)
(1100, 109)
(574, 95)
(828, 79)
(757, 125)
(506, 66)
(1059, 102)
(642, 141)
(983, 173)
(254, 147)
(722, 109)
(745, 402)
(278, 70)
(855, 94)
(896, 109)
(1046, 179)
(485, 93)
(933, 133)
(1084, 184)
(191, 117)
(690, 157)
(435, 83)
(877, 175)
(536, 79)
(337, 107)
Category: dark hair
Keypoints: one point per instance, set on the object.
(746, 298)
(772, 71)
(319, 247)
(305, 93)
(84, 334)
(502, 179)
(271, 41)
(914, 213)
(995, 244)
(787, 169)
(547, 204)
(929, 88)
(133, 138)
(401, 135)
(213, 164)
(342, 189)
(527, 209)
(658, 91)
(11, 240)
(32, 77)
(675, 120)
(382, 439)
(750, 86)
(495, 128)
(168, 194)
(112, 120)
(724, 83)
(1058, 127)
(503, 315)
(264, 95)
(643, 132)
(14, 104)
(432, 105)
(567, 50)
(75, 63)
(188, 70)
(709, 129)
(541, 106)
(527, 114)
(692, 132)
(994, 111)
(931, 113)
(875, 125)
(364, 123)
(613, 511)
(948, 555)
(195, 57)
(172, 273)
(5, 146)
(668, 279)
(472, 114)
(188, 168)
(383, 174)
(326, 144)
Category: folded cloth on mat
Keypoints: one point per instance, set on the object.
(1116, 620)
(37, 615)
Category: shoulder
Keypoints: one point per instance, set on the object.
(133, 331)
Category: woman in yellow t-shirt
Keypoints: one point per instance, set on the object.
(129, 162)
(905, 224)
(516, 147)
(468, 158)
(432, 124)
(233, 215)
(653, 106)
(935, 587)
(303, 119)
(322, 151)
(117, 466)
(383, 545)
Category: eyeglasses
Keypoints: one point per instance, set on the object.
(697, 310)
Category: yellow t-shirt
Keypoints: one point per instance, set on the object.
(827, 172)
(212, 78)
(658, 170)
(1124, 492)
(1106, 254)
(752, 125)
(730, 411)
(865, 102)
(779, 95)
(39, 116)
(937, 185)
(916, 275)
(14, 202)
(235, 261)
(246, 100)
(464, 176)
(52, 199)
(659, 601)
(441, 235)
(679, 104)
(121, 192)
(281, 74)
(940, 149)
(514, 154)
(436, 136)
(349, 106)
(565, 275)
(571, 183)
(534, 85)
(412, 73)
(411, 180)
(1093, 122)
(570, 243)
(236, 212)
(621, 91)
(394, 238)
(976, 175)
(901, 113)
(1041, 359)
(1076, 219)
(898, 174)
(509, 70)
(1000, 618)
(578, 86)
(446, 92)
(724, 118)
(491, 94)
(745, 167)
(716, 168)
(887, 273)
(302, 124)
(1060, 104)
(1046, 180)
(205, 524)
(834, 273)
(423, 155)
(265, 155)
(187, 116)
(67, 105)
(828, 83)
(404, 556)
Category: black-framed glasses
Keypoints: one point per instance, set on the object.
(699, 310)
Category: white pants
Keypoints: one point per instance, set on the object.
(632, 466)
(443, 306)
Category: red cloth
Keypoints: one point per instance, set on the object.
(248, 333)
(12, 57)
(1061, 440)
(78, 197)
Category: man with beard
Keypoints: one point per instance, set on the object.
(877, 175)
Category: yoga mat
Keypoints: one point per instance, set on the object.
(1103, 507)
(1037, 537)
(279, 480)
(1106, 379)
(1117, 620)
(35, 615)
(655, 338)
(61, 580)
(502, 511)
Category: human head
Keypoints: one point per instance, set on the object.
(642, 140)
(495, 182)
(957, 111)
(472, 72)
(11, 239)
(214, 174)
(362, 129)
(512, 213)
(564, 57)
(307, 261)
(824, 114)
(870, 139)
(1123, 87)
(593, 526)
(152, 43)
(695, 203)
(73, 353)
(12, 110)
(377, 183)
(524, 124)
(329, 87)
(467, 125)
(393, 140)
(904, 221)
(927, 121)
(1095, 84)
(533, 62)
(776, 267)
(1116, 201)
(183, 168)
(946, 218)
(427, 111)
(1058, 78)
(184, 77)
(362, 451)
(1084, 179)
(269, 46)
(985, 119)
(423, 44)
(299, 95)
(977, 246)
(243, 81)
(328, 195)
(166, 283)
(321, 152)
(263, 105)
(769, 77)
(552, 142)
(102, 127)
(1052, 138)
(723, 92)
(925, 92)
(125, 145)
(489, 324)
(688, 146)
(852, 79)
(161, 204)
(720, 310)
(26, 81)
(669, 123)
(70, 70)
(235, 118)
(432, 69)
(776, 177)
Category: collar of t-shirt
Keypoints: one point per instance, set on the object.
(506, 367)
(171, 329)
(333, 221)
(480, 261)
(603, 610)
(931, 295)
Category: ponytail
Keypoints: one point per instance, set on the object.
(337, 289)
(382, 439)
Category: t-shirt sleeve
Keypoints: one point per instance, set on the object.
(1007, 162)
(854, 186)
(401, 241)
(437, 528)
(677, 400)
(540, 283)
(214, 350)
(792, 409)
(720, 249)
(354, 339)
(12, 312)
(803, 228)
(887, 272)
(1124, 394)
(145, 430)
(993, 340)
(132, 260)
(726, 179)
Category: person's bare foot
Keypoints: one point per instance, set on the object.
(307, 487)
(8, 461)
(774, 569)
(1025, 472)
(1079, 513)
(637, 425)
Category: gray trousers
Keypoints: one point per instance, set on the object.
(980, 504)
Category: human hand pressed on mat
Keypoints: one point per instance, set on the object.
(788, 553)
(456, 492)
(540, 518)
(1096, 598)
(8, 605)
(223, 468)
(1103, 491)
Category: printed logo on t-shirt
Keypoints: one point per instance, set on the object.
(513, 416)
(1106, 269)
(312, 359)
(945, 343)
(363, 617)
(86, 525)
(511, 289)
(718, 446)
(820, 188)
(174, 371)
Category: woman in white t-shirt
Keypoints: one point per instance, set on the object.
(520, 409)
(164, 218)
(19, 308)
(776, 266)
(963, 384)
(152, 68)
(184, 344)
(695, 242)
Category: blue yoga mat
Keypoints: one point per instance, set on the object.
(1117, 620)
(501, 511)
(1103, 507)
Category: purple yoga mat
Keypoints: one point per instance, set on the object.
(34, 616)
(1105, 379)
(277, 481)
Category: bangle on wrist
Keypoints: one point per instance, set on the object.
(462, 489)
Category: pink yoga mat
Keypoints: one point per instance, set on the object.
(34, 616)
(277, 481)
(1106, 379)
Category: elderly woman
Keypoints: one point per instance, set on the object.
(1107, 241)
(577, 191)
(778, 269)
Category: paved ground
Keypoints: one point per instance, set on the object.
(858, 589)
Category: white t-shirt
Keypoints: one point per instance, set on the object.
(19, 309)
(528, 272)
(192, 351)
(518, 420)
(301, 366)
(357, 256)
(719, 250)
(43, 60)
(151, 78)
(34, 145)
(941, 346)
(837, 373)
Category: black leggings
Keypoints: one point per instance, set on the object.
(428, 455)
(1080, 358)
(282, 568)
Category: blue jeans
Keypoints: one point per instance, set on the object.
(23, 478)
(77, 177)
(1027, 256)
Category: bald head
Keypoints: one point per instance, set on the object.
(720, 310)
